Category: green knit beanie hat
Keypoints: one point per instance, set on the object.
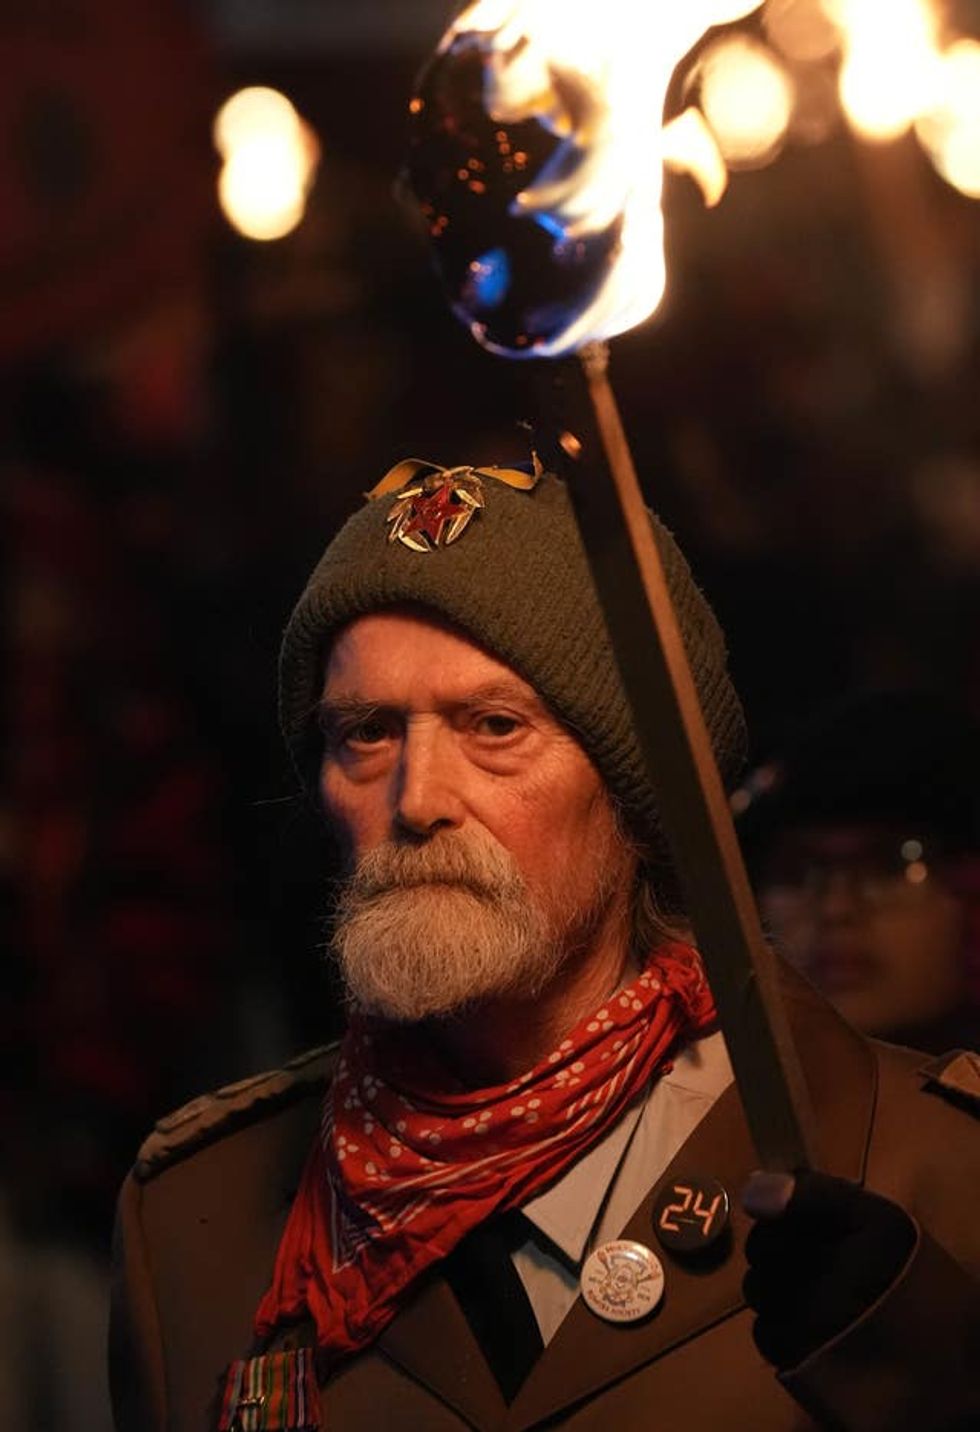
(515, 580)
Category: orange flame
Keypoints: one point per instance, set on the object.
(615, 60)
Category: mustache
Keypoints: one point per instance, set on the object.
(479, 866)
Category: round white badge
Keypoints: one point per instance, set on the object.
(622, 1281)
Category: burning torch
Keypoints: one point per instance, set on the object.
(537, 159)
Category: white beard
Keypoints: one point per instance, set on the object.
(429, 930)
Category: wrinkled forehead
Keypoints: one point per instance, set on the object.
(409, 655)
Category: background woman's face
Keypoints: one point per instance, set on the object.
(866, 915)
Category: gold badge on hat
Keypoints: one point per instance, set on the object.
(434, 505)
(436, 509)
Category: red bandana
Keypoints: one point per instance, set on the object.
(403, 1171)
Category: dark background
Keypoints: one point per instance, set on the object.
(186, 415)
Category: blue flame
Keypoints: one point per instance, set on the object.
(488, 281)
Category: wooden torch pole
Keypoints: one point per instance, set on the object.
(681, 767)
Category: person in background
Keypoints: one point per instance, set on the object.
(864, 845)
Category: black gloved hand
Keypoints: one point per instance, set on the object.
(821, 1253)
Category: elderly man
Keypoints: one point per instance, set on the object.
(509, 1199)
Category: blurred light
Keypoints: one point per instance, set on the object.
(816, 114)
(945, 489)
(891, 69)
(911, 850)
(747, 98)
(950, 132)
(740, 801)
(270, 156)
(801, 29)
(726, 12)
(758, 782)
(261, 190)
(251, 114)
(916, 873)
(689, 147)
(765, 778)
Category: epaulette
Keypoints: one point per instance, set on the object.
(956, 1075)
(211, 1116)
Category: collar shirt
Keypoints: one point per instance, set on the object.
(595, 1199)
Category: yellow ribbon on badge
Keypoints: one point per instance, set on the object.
(410, 469)
(434, 505)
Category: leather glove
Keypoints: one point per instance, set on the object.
(823, 1250)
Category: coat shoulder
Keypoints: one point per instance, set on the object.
(955, 1076)
(224, 1111)
(951, 1079)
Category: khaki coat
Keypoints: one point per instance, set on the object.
(201, 1215)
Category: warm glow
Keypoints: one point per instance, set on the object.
(270, 157)
(618, 57)
(262, 191)
(951, 132)
(891, 69)
(689, 147)
(747, 98)
(800, 29)
(252, 114)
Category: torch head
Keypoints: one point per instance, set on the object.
(517, 275)
(513, 578)
(537, 161)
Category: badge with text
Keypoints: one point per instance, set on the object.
(274, 1393)
(690, 1214)
(622, 1281)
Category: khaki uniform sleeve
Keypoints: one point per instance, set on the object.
(910, 1364)
(136, 1373)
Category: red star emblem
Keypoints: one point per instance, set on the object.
(434, 512)
(431, 511)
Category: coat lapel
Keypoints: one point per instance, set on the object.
(588, 1354)
(432, 1341)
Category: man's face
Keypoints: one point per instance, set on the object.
(483, 844)
(863, 911)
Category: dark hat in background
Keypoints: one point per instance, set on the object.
(881, 757)
(517, 582)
